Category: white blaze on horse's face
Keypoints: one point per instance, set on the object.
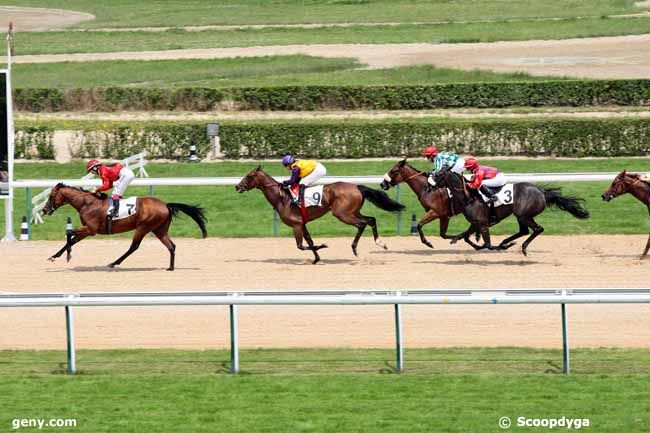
(387, 178)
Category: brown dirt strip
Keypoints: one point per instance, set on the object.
(274, 264)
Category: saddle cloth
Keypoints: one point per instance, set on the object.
(127, 207)
(505, 195)
(313, 195)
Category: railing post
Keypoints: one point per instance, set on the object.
(151, 190)
(28, 211)
(234, 340)
(399, 365)
(566, 361)
(398, 196)
(69, 325)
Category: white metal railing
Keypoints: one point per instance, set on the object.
(360, 180)
(381, 297)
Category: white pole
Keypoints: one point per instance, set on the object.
(9, 202)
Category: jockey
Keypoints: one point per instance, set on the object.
(443, 161)
(484, 178)
(304, 172)
(110, 174)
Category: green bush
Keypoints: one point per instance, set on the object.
(360, 138)
(34, 143)
(482, 95)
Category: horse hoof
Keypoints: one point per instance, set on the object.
(316, 260)
(52, 259)
(112, 265)
(524, 252)
(170, 269)
(323, 246)
(429, 244)
(354, 251)
(453, 241)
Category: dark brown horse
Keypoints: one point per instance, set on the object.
(633, 184)
(152, 215)
(343, 199)
(529, 201)
(435, 201)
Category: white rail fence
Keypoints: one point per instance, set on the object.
(34, 213)
(397, 298)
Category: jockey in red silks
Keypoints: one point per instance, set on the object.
(114, 173)
(484, 178)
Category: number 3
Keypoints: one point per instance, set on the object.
(508, 195)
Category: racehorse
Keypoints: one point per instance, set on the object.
(527, 202)
(151, 215)
(630, 182)
(435, 202)
(343, 199)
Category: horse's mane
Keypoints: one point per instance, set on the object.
(101, 196)
(420, 172)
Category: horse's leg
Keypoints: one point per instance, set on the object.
(426, 219)
(359, 221)
(523, 231)
(372, 221)
(537, 230)
(299, 231)
(140, 233)
(162, 233)
(77, 236)
(647, 247)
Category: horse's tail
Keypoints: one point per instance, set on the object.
(568, 204)
(380, 199)
(194, 212)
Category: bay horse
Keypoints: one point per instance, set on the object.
(435, 202)
(343, 199)
(630, 183)
(152, 215)
(529, 201)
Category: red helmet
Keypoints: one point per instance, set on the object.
(431, 151)
(92, 164)
(471, 162)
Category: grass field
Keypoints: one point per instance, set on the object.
(129, 13)
(443, 390)
(84, 42)
(249, 215)
(242, 72)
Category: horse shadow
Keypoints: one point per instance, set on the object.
(287, 261)
(465, 262)
(425, 252)
(116, 269)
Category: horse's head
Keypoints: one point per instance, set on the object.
(395, 175)
(55, 200)
(252, 180)
(620, 185)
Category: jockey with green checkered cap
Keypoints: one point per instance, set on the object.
(443, 161)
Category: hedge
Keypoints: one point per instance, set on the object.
(34, 143)
(480, 95)
(359, 138)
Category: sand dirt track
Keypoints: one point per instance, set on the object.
(274, 264)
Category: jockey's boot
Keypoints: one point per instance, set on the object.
(491, 199)
(489, 194)
(116, 208)
(301, 194)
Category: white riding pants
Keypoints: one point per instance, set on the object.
(498, 180)
(319, 171)
(126, 177)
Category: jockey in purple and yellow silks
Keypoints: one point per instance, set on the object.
(304, 172)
